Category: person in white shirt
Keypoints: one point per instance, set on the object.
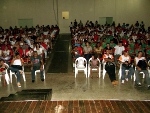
(118, 51)
(29, 53)
(125, 61)
(141, 68)
(13, 41)
(16, 66)
(39, 50)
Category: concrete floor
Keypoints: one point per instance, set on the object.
(65, 87)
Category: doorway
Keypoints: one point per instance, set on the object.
(105, 20)
(25, 22)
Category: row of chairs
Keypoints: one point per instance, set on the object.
(81, 64)
(9, 78)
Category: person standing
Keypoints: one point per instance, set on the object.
(118, 51)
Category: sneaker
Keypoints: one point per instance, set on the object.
(42, 79)
(113, 83)
(122, 81)
(33, 81)
(18, 84)
(139, 84)
(116, 82)
(148, 87)
(127, 79)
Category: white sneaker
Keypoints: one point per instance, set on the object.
(122, 81)
(139, 84)
(127, 79)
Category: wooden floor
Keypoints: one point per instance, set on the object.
(78, 106)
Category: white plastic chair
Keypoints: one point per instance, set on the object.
(6, 75)
(80, 65)
(104, 71)
(13, 73)
(94, 69)
(37, 71)
(139, 73)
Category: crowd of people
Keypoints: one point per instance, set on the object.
(124, 46)
(25, 45)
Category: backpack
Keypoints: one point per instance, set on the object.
(142, 64)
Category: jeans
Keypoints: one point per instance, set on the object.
(33, 72)
(138, 80)
(130, 73)
(17, 73)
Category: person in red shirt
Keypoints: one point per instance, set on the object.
(6, 44)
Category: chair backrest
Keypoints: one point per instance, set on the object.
(80, 62)
(97, 59)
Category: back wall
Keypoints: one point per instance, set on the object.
(44, 12)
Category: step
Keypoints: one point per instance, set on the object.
(29, 94)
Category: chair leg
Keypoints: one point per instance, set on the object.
(104, 72)
(89, 72)
(7, 78)
(134, 77)
(44, 74)
(75, 73)
(99, 73)
(23, 75)
(86, 73)
(143, 75)
(10, 77)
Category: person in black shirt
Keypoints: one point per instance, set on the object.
(115, 39)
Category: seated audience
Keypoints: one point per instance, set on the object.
(98, 50)
(94, 64)
(141, 66)
(109, 48)
(39, 50)
(139, 49)
(6, 55)
(125, 61)
(36, 64)
(75, 52)
(3, 67)
(87, 51)
(16, 66)
(108, 59)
